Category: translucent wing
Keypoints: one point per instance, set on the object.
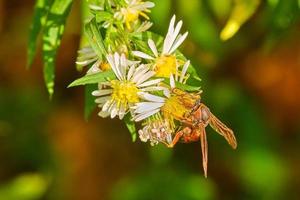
(223, 130)
(204, 149)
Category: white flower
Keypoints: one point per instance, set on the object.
(156, 131)
(165, 62)
(87, 56)
(154, 103)
(124, 92)
(133, 10)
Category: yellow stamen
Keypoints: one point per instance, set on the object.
(165, 66)
(124, 92)
(144, 15)
(173, 108)
(104, 66)
(130, 15)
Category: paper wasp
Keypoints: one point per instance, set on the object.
(195, 122)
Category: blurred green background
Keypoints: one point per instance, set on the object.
(251, 81)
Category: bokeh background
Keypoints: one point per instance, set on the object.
(251, 81)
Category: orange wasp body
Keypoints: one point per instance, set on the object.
(194, 124)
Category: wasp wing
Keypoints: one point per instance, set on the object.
(204, 149)
(223, 130)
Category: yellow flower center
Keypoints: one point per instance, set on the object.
(104, 66)
(173, 108)
(124, 92)
(131, 15)
(165, 66)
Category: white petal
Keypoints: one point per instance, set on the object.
(172, 81)
(123, 66)
(140, 117)
(103, 114)
(95, 68)
(130, 72)
(147, 106)
(153, 47)
(102, 92)
(95, 7)
(141, 70)
(85, 50)
(138, 74)
(152, 89)
(111, 62)
(149, 4)
(86, 62)
(87, 55)
(184, 70)
(117, 64)
(150, 97)
(167, 41)
(141, 67)
(151, 82)
(167, 93)
(172, 24)
(178, 42)
(142, 55)
(107, 105)
(122, 111)
(113, 111)
(173, 37)
(145, 77)
(102, 100)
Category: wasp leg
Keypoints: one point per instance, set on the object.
(223, 130)
(178, 135)
(204, 149)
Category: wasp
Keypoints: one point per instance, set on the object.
(195, 122)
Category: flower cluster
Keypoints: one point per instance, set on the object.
(142, 77)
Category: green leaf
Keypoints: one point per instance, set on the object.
(25, 187)
(241, 12)
(89, 100)
(131, 126)
(102, 16)
(94, 37)
(188, 88)
(94, 78)
(39, 18)
(184, 87)
(52, 34)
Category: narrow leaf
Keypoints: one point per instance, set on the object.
(93, 78)
(52, 34)
(131, 126)
(242, 11)
(94, 37)
(89, 100)
(39, 18)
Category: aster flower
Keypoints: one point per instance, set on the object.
(165, 62)
(167, 104)
(87, 56)
(134, 8)
(156, 131)
(122, 93)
